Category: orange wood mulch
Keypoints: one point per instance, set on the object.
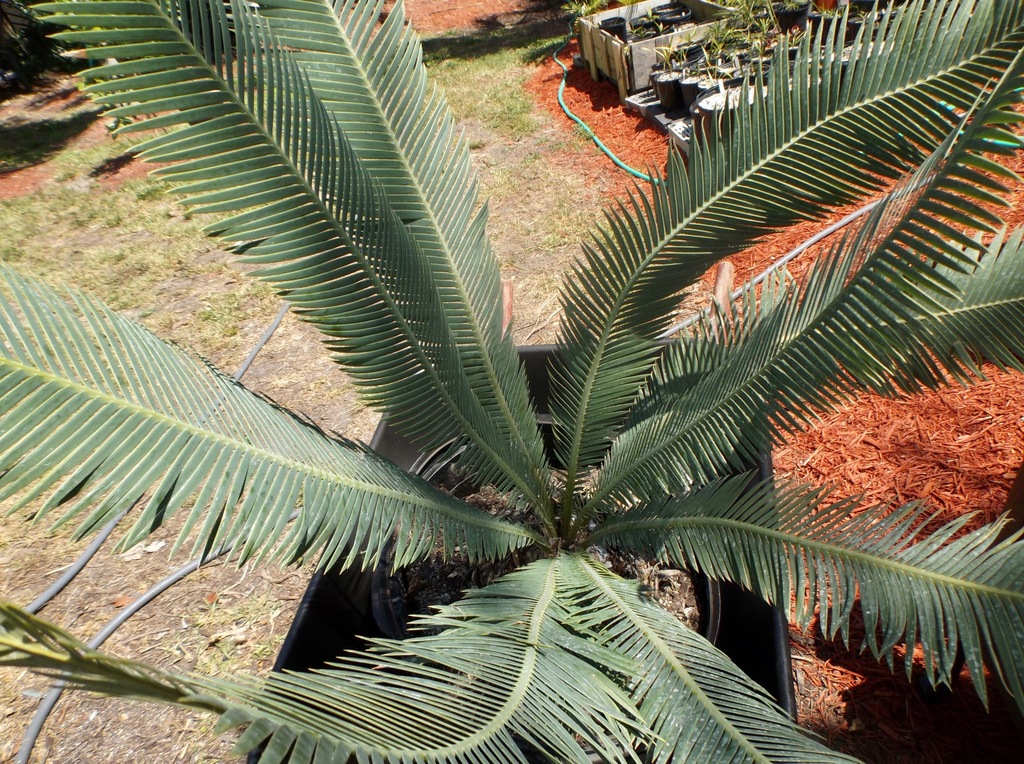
(628, 135)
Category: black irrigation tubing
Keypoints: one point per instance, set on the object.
(51, 698)
(58, 586)
(69, 575)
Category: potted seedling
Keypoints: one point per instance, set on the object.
(616, 26)
(823, 17)
(667, 77)
(310, 136)
(672, 14)
(790, 13)
(735, 60)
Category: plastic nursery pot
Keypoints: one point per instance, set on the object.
(689, 89)
(826, 22)
(340, 609)
(787, 18)
(868, 6)
(617, 27)
(715, 107)
(644, 30)
(672, 14)
(668, 87)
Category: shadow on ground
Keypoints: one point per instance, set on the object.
(30, 142)
(537, 38)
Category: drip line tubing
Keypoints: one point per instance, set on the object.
(48, 703)
(781, 262)
(89, 552)
(50, 699)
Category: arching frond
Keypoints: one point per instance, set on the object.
(866, 319)
(373, 84)
(700, 707)
(947, 592)
(825, 134)
(256, 141)
(502, 674)
(96, 413)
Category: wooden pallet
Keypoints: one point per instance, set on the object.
(629, 65)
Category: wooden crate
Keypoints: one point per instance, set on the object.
(629, 65)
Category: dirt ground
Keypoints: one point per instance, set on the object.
(220, 619)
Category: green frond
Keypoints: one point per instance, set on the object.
(823, 135)
(98, 414)
(945, 592)
(501, 674)
(868, 318)
(700, 707)
(986, 318)
(373, 84)
(30, 642)
(255, 141)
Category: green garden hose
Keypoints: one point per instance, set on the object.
(585, 127)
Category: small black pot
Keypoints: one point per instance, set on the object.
(826, 23)
(668, 87)
(689, 89)
(710, 108)
(673, 14)
(788, 18)
(617, 27)
(868, 6)
(644, 30)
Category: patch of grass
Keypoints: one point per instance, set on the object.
(557, 215)
(137, 251)
(529, 42)
(218, 324)
(484, 74)
(238, 616)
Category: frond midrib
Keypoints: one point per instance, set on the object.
(611, 324)
(520, 689)
(300, 467)
(665, 651)
(456, 275)
(423, 362)
(792, 539)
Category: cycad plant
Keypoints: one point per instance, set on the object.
(309, 127)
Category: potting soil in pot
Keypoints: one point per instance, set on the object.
(436, 581)
(721, 100)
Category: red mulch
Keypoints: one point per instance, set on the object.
(435, 16)
(630, 137)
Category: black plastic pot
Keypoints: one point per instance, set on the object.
(689, 90)
(788, 18)
(644, 30)
(826, 23)
(337, 610)
(672, 14)
(668, 87)
(868, 6)
(709, 109)
(617, 27)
